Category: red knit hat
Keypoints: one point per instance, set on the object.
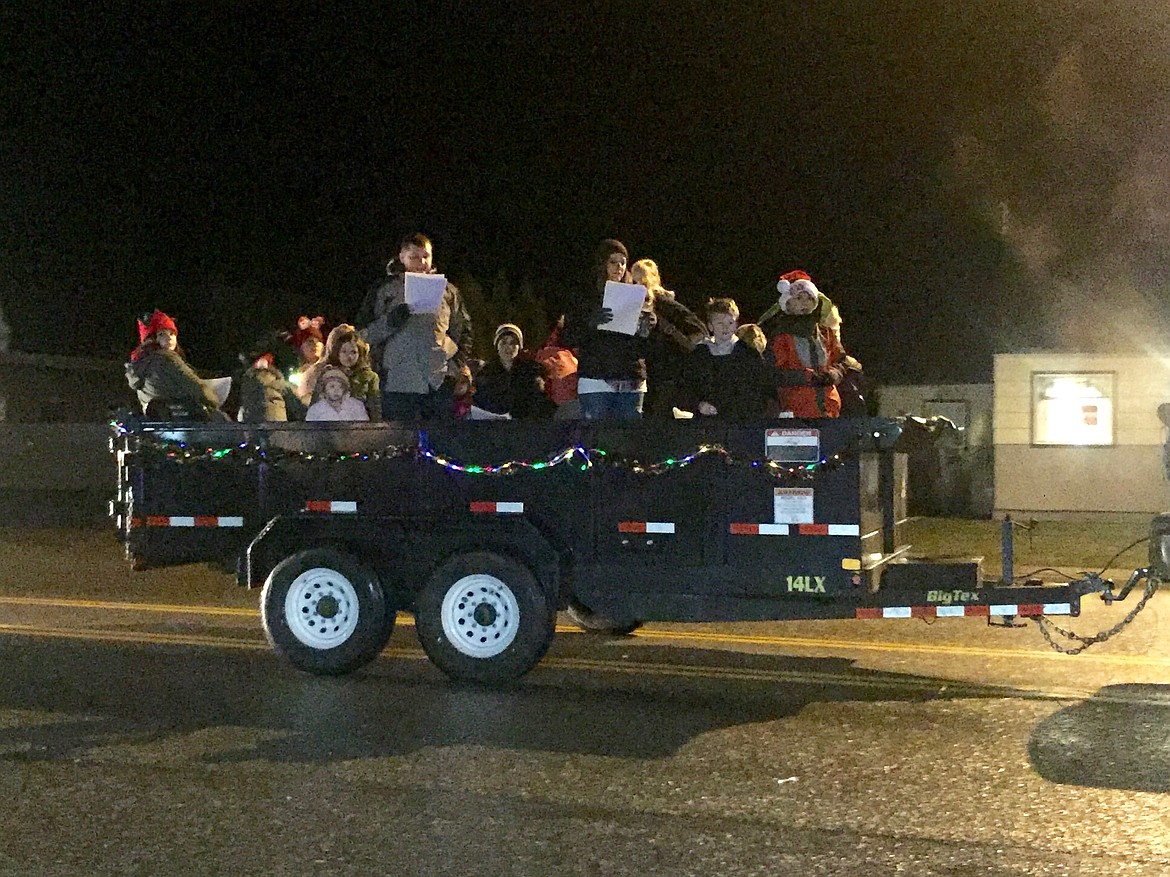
(154, 324)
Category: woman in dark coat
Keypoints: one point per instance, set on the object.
(611, 366)
(167, 387)
(675, 332)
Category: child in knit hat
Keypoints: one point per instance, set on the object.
(511, 384)
(335, 403)
(347, 350)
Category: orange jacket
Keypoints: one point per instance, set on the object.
(560, 369)
(809, 372)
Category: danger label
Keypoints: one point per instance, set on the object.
(792, 445)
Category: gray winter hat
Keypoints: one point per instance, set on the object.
(508, 329)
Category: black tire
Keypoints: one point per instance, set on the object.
(593, 622)
(484, 618)
(324, 612)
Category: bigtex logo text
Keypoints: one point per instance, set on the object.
(946, 598)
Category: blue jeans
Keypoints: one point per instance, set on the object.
(611, 406)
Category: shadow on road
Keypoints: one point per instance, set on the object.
(636, 703)
(1118, 739)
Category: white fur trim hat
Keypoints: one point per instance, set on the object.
(789, 289)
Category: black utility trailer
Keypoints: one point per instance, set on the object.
(484, 530)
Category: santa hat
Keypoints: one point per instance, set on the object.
(795, 288)
(508, 329)
(793, 282)
(308, 328)
(154, 324)
(784, 284)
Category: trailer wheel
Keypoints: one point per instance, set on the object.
(593, 622)
(324, 612)
(482, 617)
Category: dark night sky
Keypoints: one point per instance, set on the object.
(959, 178)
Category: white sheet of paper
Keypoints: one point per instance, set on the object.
(477, 413)
(625, 300)
(424, 292)
(220, 386)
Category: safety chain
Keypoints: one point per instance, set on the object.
(1046, 625)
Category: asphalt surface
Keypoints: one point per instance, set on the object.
(146, 728)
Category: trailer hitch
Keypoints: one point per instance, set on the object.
(1107, 592)
(1093, 583)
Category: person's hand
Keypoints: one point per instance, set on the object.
(708, 409)
(824, 378)
(398, 315)
(646, 323)
(601, 316)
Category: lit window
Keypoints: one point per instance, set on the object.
(1073, 408)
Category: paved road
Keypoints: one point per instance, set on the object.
(145, 728)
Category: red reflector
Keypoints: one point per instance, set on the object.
(632, 527)
(869, 613)
(812, 529)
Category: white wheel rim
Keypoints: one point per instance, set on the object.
(321, 608)
(480, 615)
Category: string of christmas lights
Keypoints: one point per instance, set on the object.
(510, 467)
(158, 449)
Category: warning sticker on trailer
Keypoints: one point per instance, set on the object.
(793, 505)
(792, 445)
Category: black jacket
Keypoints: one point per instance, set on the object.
(601, 354)
(739, 384)
(671, 342)
(516, 391)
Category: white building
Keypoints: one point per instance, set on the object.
(1079, 434)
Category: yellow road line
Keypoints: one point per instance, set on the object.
(121, 606)
(867, 646)
(129, 636)
(823, 680)
(823, 643)
(752, 675)
(857, 679)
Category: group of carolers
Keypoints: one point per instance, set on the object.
(405, 365)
